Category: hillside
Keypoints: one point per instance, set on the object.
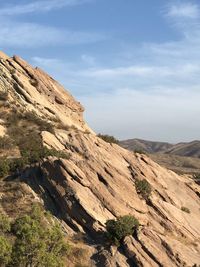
(55, 159)
(145, 146)
(183, 158)
(190, 149)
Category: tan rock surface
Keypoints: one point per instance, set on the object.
(168, 235)
(34, 90)
(2, 130)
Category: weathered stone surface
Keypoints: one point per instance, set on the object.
(2, 130)
(168, 235)
(34, 90)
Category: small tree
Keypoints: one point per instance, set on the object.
(144, 188)
(108, 138)
(38, 243)
(120, 228)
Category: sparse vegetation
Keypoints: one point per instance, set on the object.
(31, 156)
(3, 96)
(31, 240)
(143, 188)
(24, 132)
(5, 143)
(81, 265)
(34, 82)
(5, 251)
(4, 167)
(139, 151)
(185, 209)
(4, 224)
(196, 178)
(41, 123)
(27, 120)
(120, 228)
(108, 138)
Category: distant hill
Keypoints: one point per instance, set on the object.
(190, 149)
(181, 158)
(146, 146)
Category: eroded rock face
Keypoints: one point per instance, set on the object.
(97, 183)
(34, 90)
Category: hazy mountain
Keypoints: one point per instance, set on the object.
(146, 146)
(190, 149)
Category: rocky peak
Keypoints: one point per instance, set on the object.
(34, 90)
(99, 181)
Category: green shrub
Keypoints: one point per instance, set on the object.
(30, 154)
(139, 151)
(5, 251)
(24, 129)
(33, 240)
(120, 228)
(185, 209)
(196, 178)
(108, 138)
(4, 224)
(4, 167)
(143, 188)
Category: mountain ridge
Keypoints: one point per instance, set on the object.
(191, 148)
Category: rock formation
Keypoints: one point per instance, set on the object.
(97, 182)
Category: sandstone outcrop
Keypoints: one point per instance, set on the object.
(97, 182)
(34, 90)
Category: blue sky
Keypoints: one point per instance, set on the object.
(133, 64)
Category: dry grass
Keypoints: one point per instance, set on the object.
(179, 164)
(16, 198)
(79, 256)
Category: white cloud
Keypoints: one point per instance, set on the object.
(38, 6)
(143, 71)
(184, 10)
(28, 35)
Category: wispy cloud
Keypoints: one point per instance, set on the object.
(19, 33)
(157, 98)
(29, 35)
(38, 6)
(143, 71)
(183, 10)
